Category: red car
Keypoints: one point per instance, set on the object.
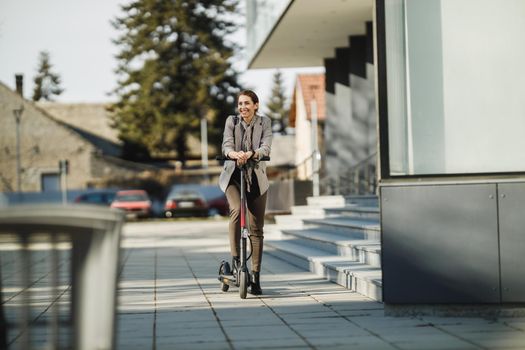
(134, 202)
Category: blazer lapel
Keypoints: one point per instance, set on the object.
(257, 133)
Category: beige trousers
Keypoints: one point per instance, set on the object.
(255, 219)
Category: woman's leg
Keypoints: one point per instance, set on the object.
(234, 200)
(256, 211)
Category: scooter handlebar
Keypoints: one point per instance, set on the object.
(263, 159)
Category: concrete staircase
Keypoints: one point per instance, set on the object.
(335, 237)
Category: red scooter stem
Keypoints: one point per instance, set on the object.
(243, 200)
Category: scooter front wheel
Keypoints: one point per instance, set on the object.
(243, 285)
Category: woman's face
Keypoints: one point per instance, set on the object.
(246, 107)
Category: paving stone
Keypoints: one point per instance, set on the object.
(434, 343)
(207, 335)
(270, 343)
(497, 340)
(169, 345)
(352, 342)
(257, 333)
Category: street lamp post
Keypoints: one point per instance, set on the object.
(204, 147)
(63, 165)
(18, 115)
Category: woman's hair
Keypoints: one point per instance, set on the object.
(250, 94)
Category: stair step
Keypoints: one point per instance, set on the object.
(356, 276)
(371, 229)
(363, 200)
(289, 221)
(351, 246)
(354, 211)
(326, 201)
(299, 213)
(306, 210)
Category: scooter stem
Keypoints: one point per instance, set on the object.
(243, 200)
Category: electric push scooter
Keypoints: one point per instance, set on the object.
(239, 276)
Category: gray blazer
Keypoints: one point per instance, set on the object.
(262, 144)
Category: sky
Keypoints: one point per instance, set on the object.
(78, 34)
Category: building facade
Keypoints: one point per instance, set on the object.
(436, 87)
(338, 36)
(308, 99)
(43, 141)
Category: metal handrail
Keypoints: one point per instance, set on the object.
(308, 159)
(359, 178)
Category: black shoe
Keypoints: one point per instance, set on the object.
(255, 285)
(225, 268)
(236, 264)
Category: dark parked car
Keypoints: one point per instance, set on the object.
(97, 197)
(134, 202)
(195, 200)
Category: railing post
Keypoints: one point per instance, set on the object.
(3, 323)
(53, 321)
(25, 310)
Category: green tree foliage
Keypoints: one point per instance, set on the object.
(277, 109)
(175, 68)
(47, 83)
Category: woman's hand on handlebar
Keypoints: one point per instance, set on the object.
(240, 157)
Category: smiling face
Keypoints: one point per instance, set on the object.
(246, 107)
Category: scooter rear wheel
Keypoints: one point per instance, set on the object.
(243, 285)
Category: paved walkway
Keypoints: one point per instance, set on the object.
(170, 298)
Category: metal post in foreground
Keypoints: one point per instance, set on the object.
(95, 237)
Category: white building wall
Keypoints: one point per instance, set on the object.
(303, 137)
(331, 165)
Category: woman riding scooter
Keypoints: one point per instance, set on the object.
(247, 138)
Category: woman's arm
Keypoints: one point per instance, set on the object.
(228, 137)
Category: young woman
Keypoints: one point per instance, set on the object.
(247, 137)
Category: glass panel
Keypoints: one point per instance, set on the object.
(455, 86)
(396, 86)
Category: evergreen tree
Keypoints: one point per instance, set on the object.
(175, 68)
(47, 83)
(277, 110)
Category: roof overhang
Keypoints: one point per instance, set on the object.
(310, 30)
